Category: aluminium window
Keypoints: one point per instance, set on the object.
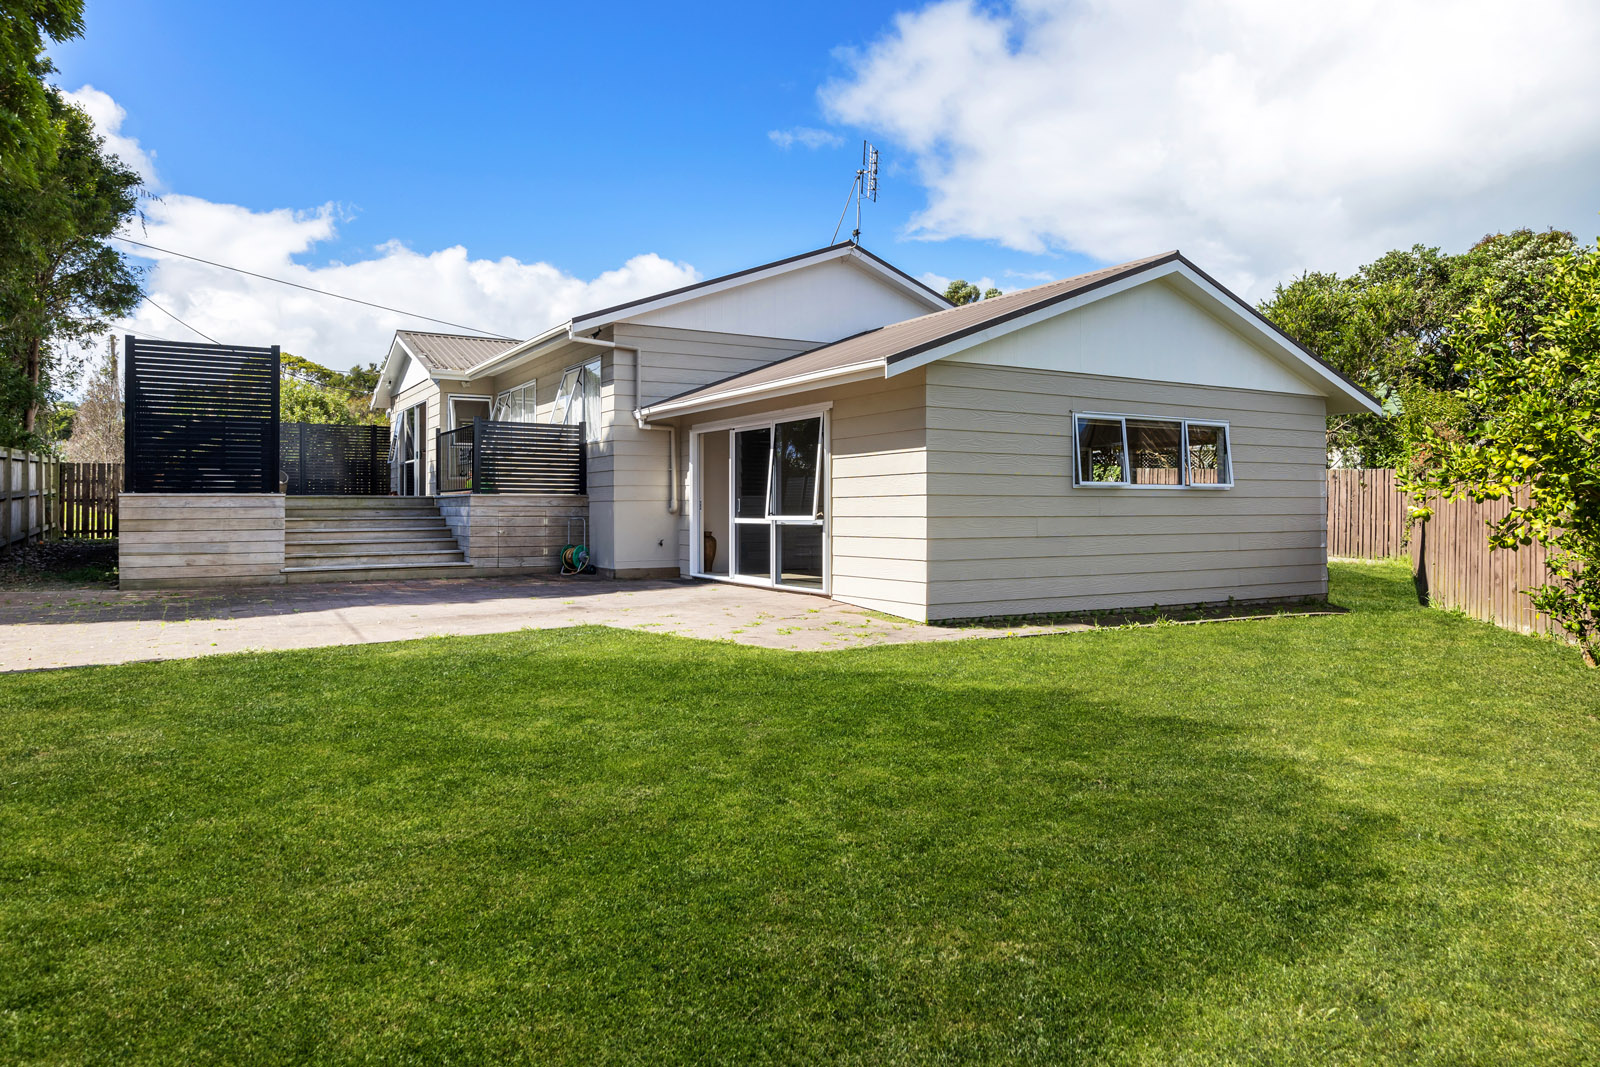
(1137, 451)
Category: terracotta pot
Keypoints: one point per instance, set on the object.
(711, 552)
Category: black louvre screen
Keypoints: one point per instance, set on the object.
(320, 460)
(524, 457)
(201, 418)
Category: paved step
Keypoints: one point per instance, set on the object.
(358, 573)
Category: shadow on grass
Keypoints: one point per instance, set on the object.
(585, 846)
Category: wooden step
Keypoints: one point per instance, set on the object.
(330, 544)
(371, 549)
(372, 558)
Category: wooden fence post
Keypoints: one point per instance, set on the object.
(5, 498)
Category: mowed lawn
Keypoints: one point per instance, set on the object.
(1371, 838)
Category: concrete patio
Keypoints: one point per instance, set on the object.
(79, 627)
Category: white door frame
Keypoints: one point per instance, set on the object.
(419, 425)
(698, 472)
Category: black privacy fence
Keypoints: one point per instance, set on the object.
(201, 418)
(318, 460)
(512, 457)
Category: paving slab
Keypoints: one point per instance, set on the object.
(80, 627)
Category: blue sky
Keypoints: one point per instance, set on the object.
(575, 133)
(507, 165)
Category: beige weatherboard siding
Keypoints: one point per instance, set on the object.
(174, 540)
(1010, 534)
(875, 481)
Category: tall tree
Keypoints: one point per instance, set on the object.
(28, 130)
(97, 424)
(60, 282)
(1531, 422)
(1391, 326)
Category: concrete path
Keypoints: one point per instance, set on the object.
(78, 627)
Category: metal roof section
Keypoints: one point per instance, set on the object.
(903, 346)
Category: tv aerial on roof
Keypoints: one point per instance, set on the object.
(863, 186)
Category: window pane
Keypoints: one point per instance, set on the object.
(752, 550)
(800, 555)
(751, 456)
(564, 394)
(589, 414)
(1100, 450)
(1208, 455)
(794, 467)
(1155, 452)
(515, 414)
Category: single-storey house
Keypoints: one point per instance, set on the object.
(1133, 436)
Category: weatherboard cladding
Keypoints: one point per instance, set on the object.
(451, 351)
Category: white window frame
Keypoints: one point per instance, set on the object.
(698, 472)
(1122, 418)
(562, 418)
(450, 406)
(502, 400)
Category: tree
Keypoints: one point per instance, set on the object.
(1391, 326)
(60, 281)
(97, 425)
(962, 291)
(1531, 418)
(310, 392)
(28, 124)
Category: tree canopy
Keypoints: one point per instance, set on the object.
(1392, 327)
(1527, 356)
(962, 291)
(310, 392)
(29, 133)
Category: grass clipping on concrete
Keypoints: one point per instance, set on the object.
(1363, 838)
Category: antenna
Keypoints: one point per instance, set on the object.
(863, 185)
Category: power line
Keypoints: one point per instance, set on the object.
(310, 289)
(180, 322)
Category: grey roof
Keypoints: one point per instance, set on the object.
(451, 351)
(902, 340)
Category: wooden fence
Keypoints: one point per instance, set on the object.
(1449, 553)
(30, 497)
(89, 499)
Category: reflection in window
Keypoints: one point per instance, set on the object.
(1100, 452)
(796, 461)
(752, 450)
(1155, 452)
(1208, 455)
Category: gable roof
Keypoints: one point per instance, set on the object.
(902, 346)
(842, 250)
(591, 322)
(450, 351)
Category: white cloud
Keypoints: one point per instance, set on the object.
(509, 296)
(108, 116)
(805, 137)
(939, 283)
(1260, 137)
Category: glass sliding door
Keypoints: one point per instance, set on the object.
(752, 530)
(776, 503)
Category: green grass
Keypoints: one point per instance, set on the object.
(1368, 838)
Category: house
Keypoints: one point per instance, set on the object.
(1133, 436)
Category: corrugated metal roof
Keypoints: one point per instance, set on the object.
(901, 340)
(451, 351)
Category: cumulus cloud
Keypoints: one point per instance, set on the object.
(108, 116)
(514, 297)
(1260, 137)
(805, 137)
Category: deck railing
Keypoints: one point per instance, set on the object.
(512, 457)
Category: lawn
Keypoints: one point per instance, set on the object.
(1365, 838)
